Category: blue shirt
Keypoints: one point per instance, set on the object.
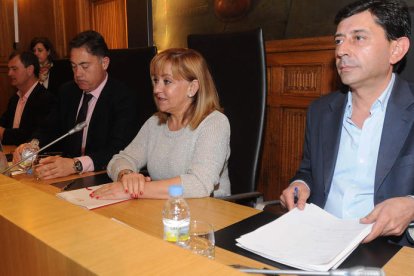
(352, 188)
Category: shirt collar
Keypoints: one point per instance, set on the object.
(27, 94)
(97, 91)
(382, 100)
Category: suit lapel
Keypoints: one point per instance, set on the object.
(330, 136)
(70, 104)
(100, 108)
(397, 124)
(30, 102)
(74, 106)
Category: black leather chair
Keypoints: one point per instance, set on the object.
(406, 70)
(237, 63)
(60, 73)
(131, 66)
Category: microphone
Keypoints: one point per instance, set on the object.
(77, 128)
(354, 271)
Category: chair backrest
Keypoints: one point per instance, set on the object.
(406, 70)
(237, 63)
(60, 73)
(131, 66)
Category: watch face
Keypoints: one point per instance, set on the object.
(78, 166)
(410, 234)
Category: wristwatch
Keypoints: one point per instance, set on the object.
(77, 166)
(410, 233)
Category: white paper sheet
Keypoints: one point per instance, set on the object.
(81, 197)
(311, 239)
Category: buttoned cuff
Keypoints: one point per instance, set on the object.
(300, 181)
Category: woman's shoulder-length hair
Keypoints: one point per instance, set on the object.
(190, 65)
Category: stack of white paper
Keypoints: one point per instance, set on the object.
(311, 239)
(81, 197)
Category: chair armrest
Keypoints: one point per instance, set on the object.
(262, 205)
(236, 197)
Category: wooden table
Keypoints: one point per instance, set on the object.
(97, 244)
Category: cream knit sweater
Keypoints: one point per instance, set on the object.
(198, 156)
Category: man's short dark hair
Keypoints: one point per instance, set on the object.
(92, 41)
(391, 15)
(28, 58)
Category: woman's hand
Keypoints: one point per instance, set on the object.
(130, 185)
(113, 190)
(134, 184)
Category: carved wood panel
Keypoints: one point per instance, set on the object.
(6, 47)
(299, 71)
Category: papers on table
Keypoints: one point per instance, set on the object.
(81, 197)
(311, 239)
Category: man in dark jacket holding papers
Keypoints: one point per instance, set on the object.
(359, 146)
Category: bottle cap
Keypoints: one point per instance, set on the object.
(175, 190)
(34, 142)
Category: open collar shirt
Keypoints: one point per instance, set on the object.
(21, 104)
(352, 189)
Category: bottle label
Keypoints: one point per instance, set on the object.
(176, 230)
(27, 164)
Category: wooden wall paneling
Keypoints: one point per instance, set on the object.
(6, 47)
(60, 40)
(109, 18)
(6, 30)
(299, 71)
(36, 18)
(83, 14)
(59, 20)
(73, 17)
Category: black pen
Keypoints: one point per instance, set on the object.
(68, 186)
(296, 195)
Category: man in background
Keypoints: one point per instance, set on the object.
(107, 106)
(359, 145)
(28, 108)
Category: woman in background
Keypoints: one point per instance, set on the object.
(186, 142)
(46, 54)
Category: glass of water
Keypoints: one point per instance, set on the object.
(201, 240)
(3, 162)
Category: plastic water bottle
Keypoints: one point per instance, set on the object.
(176, 217)
(31, 148)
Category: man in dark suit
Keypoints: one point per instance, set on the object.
(359, 145)
(28, 108)
(105, 104)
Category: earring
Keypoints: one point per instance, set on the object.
(189, 95)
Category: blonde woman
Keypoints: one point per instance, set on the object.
(186, 142)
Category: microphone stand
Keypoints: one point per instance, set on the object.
(77, 128)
